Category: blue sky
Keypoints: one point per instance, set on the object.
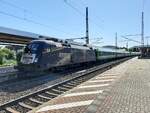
(56, 18)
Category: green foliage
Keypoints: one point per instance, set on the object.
(2, 55)
(6, 55)
(9, 54)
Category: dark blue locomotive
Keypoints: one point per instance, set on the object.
(40, 55)
(46, 54)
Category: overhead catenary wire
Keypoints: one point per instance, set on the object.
(83, 15)
(130, 39)
(78, 11)
(20, 18)
(20, 8)
(31, 21)
(13, 5)
(95, 16)
(133, 35)
(83, 2)
(25, 12)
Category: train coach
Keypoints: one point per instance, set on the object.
(40, 55)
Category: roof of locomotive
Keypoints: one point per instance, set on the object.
(57, 44)
(61, 43)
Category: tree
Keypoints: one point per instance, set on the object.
(2, 56)
(9, 53)
(6, 54)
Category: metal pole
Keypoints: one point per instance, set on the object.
(127, 45)
(116, 41)
(147, 42)
(142, 30)
(87, 27)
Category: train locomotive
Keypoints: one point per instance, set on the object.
(40, 55)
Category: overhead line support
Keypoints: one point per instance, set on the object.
(87, 27)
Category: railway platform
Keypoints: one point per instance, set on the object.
(124, 88)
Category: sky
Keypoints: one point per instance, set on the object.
(65, 19)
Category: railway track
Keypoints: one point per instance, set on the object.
(28, 102)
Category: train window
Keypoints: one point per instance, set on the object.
(33, 47)
(50, 48)
(47, 49)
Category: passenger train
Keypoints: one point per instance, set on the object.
(40, 55)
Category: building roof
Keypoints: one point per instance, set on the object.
(9, 35)
(15, 32)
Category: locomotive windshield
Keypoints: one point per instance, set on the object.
(32, 48)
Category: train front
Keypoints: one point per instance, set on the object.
(30, 58)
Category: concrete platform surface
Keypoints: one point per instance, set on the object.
(122, 89)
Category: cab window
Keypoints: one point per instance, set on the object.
(31, 48)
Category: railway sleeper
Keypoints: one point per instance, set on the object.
(11, 110)
(76, 82)
(63, 88)
(58, 90)
(71, 84)
(36, 101)
(68, 86)
(45, 97)
(31, 103)
(26, 105)
(48, 95)
(40, 98)
(81, 80)
(20, 108)
(55, 91)
(52, 93)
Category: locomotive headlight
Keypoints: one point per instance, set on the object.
(36, 59)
